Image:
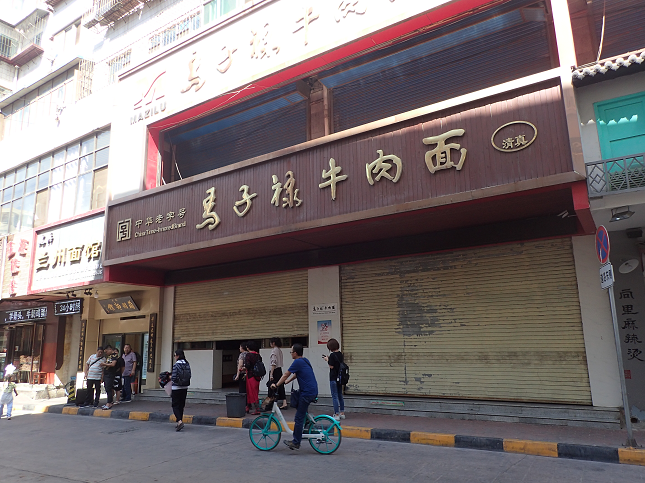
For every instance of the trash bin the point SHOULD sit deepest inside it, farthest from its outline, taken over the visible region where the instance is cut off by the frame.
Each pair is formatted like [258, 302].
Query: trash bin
[235, 405]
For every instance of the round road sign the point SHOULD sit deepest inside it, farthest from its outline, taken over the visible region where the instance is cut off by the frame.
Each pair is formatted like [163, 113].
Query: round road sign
[602, 244]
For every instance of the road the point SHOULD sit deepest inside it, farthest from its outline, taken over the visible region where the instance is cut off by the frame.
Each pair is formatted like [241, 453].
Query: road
[56, 448]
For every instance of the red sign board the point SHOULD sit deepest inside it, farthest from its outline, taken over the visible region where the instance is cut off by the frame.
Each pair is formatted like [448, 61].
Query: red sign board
[602, 244]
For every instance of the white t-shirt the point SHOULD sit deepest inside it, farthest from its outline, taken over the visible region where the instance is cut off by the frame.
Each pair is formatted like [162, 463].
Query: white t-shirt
[96, 371]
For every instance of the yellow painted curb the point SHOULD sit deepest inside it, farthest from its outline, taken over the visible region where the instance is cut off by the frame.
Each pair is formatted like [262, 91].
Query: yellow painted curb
[186, 420]
[537, 448]
[435, 439]
[102, 413]
[631, 456]
[230, 422]
[356, 432]
[139, 415]
[69, 410]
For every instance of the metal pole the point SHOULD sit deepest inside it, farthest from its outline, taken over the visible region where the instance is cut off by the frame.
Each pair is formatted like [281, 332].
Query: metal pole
[623, 388]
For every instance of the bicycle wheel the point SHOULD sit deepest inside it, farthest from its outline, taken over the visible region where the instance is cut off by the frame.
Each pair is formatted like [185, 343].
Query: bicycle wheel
[265, 432]
[330, 434]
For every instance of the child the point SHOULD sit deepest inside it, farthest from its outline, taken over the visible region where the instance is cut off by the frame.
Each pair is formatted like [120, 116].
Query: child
[7, 397]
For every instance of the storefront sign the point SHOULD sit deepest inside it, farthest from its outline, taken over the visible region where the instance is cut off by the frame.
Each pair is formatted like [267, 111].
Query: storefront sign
[324, 309]
[255, 44]
[17, 264]
[119, 305]
[397, 169]
[152, 342]
[25, 315]
[81, 346]
[68, 255]
[68, 307]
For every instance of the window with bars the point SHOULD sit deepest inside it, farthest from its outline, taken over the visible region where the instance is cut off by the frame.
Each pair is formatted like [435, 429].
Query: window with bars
[175, 32]
[117, 64]
[62, 184]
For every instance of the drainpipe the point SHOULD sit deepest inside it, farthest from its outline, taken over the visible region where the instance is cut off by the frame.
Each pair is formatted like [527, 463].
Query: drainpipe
[15, 78]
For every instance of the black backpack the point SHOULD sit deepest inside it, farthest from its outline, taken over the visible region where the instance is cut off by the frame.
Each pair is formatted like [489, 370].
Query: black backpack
[138, 358]
[259, 371]
[183, 373]
[343, 374]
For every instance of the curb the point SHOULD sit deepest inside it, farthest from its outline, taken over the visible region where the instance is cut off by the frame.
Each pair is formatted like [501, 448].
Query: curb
[603, 454]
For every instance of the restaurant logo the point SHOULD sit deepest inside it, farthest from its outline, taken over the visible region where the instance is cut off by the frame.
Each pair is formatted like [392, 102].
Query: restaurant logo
[149, 104]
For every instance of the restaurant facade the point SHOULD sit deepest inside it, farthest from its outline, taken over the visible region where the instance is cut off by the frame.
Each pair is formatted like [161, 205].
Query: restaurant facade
[347, 177]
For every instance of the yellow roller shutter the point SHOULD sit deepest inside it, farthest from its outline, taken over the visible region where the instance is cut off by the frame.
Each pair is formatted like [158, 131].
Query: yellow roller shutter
[262, 306]
[492, 323]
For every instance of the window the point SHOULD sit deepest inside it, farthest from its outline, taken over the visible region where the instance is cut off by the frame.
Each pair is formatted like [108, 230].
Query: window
[117, 64]
[175, 32]
[62, 184]
[219, 8]
[621, 126]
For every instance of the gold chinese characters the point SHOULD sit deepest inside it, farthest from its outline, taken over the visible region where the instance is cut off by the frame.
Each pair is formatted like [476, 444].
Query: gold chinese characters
[381, 168]
[246, 200]
[333, 176]
[291, 192]
[439, 157]
[517, 141]
[210, 217]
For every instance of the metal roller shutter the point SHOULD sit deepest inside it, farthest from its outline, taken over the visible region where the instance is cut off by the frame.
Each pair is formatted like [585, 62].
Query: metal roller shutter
[273, 305]
[492, 323]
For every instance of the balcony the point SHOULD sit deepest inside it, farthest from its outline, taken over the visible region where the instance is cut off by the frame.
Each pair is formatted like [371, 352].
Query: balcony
[618, 175]
[106, 12]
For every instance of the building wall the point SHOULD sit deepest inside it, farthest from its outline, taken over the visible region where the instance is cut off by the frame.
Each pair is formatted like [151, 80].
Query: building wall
[597, 327]
[602, 91]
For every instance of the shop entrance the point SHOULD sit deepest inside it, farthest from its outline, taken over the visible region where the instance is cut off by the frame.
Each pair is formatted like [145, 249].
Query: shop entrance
[24, 347]
[138, 342]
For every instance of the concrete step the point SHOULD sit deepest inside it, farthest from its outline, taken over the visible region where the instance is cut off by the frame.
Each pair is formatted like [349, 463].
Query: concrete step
[510, 412]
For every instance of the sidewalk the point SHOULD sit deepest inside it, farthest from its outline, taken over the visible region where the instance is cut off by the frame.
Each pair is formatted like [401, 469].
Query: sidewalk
[555, 441]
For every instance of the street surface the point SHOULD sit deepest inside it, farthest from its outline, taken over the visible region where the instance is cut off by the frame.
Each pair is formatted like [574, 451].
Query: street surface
[57, 448]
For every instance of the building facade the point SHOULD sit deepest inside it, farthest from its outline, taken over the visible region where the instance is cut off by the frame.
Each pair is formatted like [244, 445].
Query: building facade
[410, 178]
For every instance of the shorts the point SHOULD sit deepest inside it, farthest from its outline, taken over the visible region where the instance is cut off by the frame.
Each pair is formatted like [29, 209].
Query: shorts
[118, 383]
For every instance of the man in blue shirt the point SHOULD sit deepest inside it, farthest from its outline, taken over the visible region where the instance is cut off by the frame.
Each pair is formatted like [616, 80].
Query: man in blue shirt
[302, 370]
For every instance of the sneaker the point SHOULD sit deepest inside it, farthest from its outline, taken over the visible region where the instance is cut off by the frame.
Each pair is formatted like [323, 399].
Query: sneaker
[9, 419]
[126, 400]
[106, 407]
[291, 445]
[342, 415]
[180, 426]
[336, 417]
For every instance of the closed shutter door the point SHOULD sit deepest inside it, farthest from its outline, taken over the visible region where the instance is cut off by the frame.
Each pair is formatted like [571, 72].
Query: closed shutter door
[492, 323]
[259, 307]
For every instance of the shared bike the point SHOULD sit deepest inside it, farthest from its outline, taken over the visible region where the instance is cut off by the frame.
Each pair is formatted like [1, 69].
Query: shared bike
[323, 432]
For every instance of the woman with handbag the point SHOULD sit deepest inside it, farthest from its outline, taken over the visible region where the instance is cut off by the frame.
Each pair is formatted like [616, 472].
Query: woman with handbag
[276, 370]
[7, 397]
[334, 360]
[240, 377]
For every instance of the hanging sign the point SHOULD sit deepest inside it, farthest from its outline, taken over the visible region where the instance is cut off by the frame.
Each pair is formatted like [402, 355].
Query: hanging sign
[68, 307]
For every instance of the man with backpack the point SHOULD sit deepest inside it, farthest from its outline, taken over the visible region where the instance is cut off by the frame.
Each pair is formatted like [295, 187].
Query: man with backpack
[180, 381]
[130, 361]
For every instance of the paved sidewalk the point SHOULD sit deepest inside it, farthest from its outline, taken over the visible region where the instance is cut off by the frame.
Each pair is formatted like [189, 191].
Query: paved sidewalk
[555, 441]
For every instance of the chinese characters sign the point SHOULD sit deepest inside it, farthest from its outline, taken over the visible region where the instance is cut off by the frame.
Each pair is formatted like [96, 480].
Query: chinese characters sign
[25, 315]
[68, 255]
[408, 164]
[152, 343]
[68, 307]
[17, 264]
[119, 305]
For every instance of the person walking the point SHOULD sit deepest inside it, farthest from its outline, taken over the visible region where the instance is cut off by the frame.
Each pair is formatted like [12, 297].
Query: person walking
[109, 374]
[252, 383]
[129, 370]
[94, 376]
[300, 369]
[277, 361]
[7, 397]
[180, 381]
[334, 360]
[240, 376]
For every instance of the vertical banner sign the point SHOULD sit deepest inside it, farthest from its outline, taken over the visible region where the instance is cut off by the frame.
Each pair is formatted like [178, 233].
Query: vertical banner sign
[152, 342]
[81, 346]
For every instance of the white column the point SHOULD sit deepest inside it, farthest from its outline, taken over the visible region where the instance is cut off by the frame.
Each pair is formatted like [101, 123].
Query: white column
[602, 362]
[324, 288]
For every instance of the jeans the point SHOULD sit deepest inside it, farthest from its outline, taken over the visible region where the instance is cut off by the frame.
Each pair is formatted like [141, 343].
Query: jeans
[179, 402]
[127, 388]
[9, 408]
[337, 397]
[92, 386]
[299, 420]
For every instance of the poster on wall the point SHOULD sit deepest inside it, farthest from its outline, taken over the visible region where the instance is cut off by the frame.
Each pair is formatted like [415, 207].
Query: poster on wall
[324, 331]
